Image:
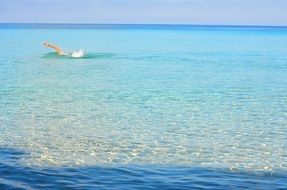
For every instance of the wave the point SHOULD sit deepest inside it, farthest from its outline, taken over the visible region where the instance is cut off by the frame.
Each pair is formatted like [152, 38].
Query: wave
[80, 55]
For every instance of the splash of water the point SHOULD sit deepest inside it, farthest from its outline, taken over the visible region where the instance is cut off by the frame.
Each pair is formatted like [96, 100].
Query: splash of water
[78, 54]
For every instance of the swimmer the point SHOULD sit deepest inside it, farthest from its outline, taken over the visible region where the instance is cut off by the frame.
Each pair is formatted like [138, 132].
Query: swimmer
[59, 51]
[56, 48]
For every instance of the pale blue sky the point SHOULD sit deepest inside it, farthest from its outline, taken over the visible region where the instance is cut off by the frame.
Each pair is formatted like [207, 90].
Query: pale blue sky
[234, 12]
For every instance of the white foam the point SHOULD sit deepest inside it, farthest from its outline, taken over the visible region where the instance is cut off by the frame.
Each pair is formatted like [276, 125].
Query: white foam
[77, 54]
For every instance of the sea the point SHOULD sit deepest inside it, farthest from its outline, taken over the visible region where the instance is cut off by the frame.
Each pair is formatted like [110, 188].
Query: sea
[147, 107]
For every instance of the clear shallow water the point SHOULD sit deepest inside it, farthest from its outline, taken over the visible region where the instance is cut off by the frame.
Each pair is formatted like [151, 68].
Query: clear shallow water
[173, 106]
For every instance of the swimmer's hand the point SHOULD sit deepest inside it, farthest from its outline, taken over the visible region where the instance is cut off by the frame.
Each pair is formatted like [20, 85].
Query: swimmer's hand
[45, 44]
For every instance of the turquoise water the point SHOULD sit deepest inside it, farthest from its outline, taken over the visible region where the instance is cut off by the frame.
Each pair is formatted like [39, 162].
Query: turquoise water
[160, 106]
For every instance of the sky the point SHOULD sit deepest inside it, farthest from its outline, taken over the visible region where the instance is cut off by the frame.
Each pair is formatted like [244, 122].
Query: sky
[210, 12]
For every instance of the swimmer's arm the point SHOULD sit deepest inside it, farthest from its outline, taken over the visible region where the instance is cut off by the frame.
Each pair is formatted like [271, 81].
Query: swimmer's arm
[56, 48]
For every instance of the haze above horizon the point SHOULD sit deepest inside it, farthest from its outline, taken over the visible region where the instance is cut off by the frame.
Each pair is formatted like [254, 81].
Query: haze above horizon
[191, 12]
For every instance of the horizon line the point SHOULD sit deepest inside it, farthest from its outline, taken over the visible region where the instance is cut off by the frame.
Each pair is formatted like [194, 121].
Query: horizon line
[139, 24]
